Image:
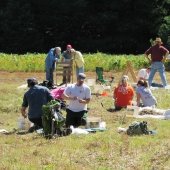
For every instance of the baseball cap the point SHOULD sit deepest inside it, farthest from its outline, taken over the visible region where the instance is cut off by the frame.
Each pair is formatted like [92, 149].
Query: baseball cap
[69, 46]
[81, 76]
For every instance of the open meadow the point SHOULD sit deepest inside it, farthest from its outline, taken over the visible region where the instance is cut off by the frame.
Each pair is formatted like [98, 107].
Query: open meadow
[106, 150]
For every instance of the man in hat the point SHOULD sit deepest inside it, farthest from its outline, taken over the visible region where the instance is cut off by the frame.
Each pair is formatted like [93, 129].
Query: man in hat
[52, 57]
[78, 95]
[34, 98]
[158, 55]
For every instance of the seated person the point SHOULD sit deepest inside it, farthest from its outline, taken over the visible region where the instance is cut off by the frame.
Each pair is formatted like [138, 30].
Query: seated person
[144, 94]
[123, 94]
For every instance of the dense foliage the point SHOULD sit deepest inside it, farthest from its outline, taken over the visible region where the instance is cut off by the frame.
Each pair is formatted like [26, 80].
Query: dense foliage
[119, 26]
[35, 62]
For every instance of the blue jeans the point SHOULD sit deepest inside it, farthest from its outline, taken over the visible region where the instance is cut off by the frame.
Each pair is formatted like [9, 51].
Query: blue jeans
[157, 66]
[49, 75]
[79, 70]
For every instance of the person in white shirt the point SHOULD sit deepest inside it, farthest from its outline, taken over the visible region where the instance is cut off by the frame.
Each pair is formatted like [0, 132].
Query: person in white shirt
[79, 95]
[143, 73]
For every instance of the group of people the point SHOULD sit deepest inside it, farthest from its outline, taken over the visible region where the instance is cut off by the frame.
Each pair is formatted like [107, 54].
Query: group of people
[69, 55]
[124, 93]
[79, 94]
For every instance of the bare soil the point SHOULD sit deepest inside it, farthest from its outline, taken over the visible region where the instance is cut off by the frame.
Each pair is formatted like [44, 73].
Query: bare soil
[21, 77]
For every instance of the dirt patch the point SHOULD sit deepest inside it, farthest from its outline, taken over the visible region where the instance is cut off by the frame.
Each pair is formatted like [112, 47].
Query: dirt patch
[22, 76]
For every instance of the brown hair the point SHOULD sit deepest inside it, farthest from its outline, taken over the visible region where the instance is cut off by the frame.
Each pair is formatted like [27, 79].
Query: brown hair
[143, 83]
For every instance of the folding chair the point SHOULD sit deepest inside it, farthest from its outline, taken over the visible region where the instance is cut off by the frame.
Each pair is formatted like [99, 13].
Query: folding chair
[100, 77]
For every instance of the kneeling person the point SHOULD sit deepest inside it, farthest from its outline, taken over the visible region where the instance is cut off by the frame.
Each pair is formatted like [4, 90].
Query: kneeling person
[35, 98]
[79, 95]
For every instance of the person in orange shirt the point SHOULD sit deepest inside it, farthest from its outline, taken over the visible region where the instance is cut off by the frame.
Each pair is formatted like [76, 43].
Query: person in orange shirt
[123, 94]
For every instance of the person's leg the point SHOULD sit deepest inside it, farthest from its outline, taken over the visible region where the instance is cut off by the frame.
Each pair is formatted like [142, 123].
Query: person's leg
[81, 118]
[51, 76]
[68, 75]
[70, 119]
[152, 74]
[161, 71]
[48, 74]
[37, 124]
[64, 74]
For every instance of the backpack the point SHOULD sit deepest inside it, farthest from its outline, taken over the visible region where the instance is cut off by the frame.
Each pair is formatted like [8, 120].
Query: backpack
[138, 128]
[53, 121]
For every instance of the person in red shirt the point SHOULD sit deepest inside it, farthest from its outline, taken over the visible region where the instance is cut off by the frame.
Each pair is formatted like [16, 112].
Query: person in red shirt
[158, 55]
[123, 94]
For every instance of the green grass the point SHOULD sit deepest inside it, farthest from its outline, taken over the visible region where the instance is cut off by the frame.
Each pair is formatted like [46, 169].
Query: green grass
[101, 151]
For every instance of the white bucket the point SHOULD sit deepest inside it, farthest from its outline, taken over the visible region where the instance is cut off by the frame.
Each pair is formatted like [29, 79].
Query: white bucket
[136, 111]
[91, 82]
[23, 124]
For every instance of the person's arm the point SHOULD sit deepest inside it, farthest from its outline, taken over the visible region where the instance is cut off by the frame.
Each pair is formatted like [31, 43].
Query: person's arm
[138, 99]
[24, 106]
[23, 112]
[147, 56]
[165, 56]
[66, 95]
[133, 93]
[84, 101]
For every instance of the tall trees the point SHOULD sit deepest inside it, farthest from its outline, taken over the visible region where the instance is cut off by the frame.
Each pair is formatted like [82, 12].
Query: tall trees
[119, 26]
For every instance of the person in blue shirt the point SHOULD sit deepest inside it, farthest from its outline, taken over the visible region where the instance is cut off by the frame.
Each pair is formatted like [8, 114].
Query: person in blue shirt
[34, 99]
[52, 57]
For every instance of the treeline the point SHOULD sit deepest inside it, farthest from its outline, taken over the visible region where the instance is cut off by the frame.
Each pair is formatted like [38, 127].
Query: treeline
[108, 26]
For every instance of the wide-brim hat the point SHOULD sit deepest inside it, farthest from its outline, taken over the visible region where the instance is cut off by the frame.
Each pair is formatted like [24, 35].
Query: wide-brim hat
[158, 40]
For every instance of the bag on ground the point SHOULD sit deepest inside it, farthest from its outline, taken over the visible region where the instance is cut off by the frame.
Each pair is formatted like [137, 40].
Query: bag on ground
[138, 128]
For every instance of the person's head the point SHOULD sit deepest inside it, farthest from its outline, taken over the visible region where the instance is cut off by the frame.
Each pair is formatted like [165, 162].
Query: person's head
[124, 80]
[158, 41]
[69, 47]
[57, 51]
[32, 82]
[80, 79]
[73, 51]
[142, 83]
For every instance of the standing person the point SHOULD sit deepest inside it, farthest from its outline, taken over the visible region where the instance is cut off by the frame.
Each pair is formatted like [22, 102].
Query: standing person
[158, 56]
[52, 57]
[123, 94]
[66, 57]
[79, 95]
[78, 60]
[34, 98]
[144, 94]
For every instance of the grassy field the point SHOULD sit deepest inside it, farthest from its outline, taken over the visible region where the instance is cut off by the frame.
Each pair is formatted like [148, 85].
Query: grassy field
[107, 150]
